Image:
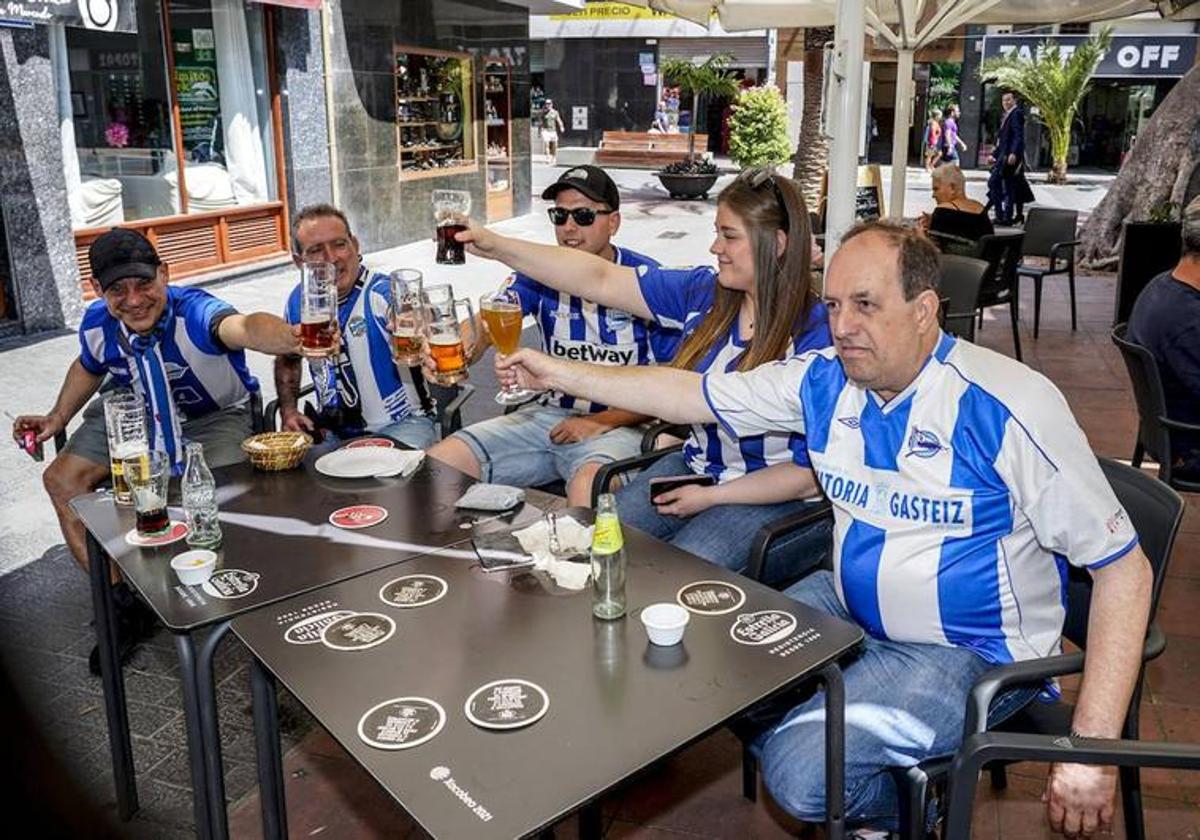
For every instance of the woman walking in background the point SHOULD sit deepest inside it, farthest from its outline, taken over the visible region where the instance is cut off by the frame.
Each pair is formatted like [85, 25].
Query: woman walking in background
[932, 141]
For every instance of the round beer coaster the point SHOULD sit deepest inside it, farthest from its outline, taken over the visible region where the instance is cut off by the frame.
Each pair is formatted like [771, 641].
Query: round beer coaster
[308, 631]
[710, 597]
[230, 583]
[358, 516]
[413, 591]
[402, 723]
[359, 443]
[358, 631]
[174, 534]
[764, 627]
[507, 704]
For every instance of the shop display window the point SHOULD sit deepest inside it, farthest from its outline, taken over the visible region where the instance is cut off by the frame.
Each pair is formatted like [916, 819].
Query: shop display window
[435, 129]
[497, 103]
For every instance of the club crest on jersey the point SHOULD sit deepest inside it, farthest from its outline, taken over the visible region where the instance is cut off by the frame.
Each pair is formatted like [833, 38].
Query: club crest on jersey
[356, 326]
[923, 444]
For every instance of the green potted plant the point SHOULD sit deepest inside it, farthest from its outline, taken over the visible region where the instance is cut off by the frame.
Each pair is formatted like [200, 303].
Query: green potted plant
[693, 177]
[1148, 247]
[758, 129]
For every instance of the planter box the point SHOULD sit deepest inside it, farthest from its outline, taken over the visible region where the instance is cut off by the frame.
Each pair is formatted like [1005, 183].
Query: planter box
[1147, 250]
[687, 186]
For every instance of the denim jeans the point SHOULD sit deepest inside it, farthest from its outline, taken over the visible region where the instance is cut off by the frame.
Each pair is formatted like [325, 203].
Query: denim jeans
[905, 702]
[723, 534]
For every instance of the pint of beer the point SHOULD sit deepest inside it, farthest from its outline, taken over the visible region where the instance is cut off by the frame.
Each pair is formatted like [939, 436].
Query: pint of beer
[318, 309]
[444, 331]
[407, 316]
[502, 315]
[450, 211]
[125, 424]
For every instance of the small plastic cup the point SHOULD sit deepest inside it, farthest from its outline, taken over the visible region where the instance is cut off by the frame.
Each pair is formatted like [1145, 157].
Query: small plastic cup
[665, 623]
[194, 567]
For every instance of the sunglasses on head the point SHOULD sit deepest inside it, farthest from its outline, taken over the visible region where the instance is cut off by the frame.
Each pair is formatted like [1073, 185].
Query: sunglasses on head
[755, 178]
[583, 216]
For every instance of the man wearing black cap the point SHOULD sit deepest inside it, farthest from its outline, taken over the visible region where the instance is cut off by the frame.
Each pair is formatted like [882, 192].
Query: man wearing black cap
[180, 350]
[559, 436]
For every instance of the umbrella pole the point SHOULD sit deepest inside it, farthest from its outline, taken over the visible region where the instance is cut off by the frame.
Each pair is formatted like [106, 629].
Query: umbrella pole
[900, 130]
[846, 123]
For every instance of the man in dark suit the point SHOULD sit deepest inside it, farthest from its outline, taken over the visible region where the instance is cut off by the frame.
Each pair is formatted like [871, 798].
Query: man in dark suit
[1008, 159]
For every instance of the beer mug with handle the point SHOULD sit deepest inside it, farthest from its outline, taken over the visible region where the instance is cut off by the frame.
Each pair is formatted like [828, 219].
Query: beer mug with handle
[446, 342]
[318, 309]
[407, 317]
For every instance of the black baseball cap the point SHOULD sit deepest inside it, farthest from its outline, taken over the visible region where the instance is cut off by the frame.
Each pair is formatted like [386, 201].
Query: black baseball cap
[590, 180]
[122, 253]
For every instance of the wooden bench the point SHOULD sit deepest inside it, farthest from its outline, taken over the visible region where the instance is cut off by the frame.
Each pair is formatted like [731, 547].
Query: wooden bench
[644, 149]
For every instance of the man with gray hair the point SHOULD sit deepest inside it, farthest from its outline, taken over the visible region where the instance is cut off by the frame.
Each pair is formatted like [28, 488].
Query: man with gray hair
[1166, 321]
[961, 486]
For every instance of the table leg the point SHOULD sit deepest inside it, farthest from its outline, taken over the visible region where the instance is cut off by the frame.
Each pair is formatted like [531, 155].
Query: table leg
[835, 751]
[112, 680]
[185, 647]
[211, 732]
[270, 761]
[591, 822]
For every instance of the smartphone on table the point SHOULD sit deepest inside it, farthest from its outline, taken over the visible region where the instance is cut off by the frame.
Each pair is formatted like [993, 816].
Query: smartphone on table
[666, 483]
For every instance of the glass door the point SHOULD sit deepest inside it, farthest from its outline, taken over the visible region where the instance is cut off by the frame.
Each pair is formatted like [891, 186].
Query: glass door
[497, 119]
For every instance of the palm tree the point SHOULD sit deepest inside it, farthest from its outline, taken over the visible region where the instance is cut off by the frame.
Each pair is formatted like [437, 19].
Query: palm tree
[812, 148]
[710, 78]
[1054, 84]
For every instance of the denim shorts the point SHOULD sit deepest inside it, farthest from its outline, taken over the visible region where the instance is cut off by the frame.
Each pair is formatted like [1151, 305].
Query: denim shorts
[516, 448]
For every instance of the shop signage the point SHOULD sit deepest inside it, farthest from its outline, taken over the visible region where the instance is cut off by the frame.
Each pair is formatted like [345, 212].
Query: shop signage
[612, 11]
[1153, 56]
[196, 90]
[104, 15]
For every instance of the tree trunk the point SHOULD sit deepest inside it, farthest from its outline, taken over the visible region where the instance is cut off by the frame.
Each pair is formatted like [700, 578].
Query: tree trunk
[1160, 169]
[812, 148]
[691, 154]
[1057, 173]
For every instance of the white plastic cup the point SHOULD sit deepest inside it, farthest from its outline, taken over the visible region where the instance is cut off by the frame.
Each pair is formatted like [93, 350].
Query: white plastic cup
[194, 567]
[665, 623]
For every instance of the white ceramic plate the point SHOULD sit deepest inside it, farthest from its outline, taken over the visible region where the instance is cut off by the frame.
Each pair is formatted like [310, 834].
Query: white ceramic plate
[366, 462]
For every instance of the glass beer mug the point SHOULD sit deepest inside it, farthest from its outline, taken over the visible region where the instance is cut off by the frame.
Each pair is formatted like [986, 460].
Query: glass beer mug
[450, 211]
[318, 309]
[442, 330]
[407, 317]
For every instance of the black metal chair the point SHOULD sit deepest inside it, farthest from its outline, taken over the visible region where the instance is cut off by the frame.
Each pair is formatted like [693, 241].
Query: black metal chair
[1050, 234]
[649, 454]
[445, 402]
[1154, 427]
[959, 284]
[1156, 512]
[1002, 253]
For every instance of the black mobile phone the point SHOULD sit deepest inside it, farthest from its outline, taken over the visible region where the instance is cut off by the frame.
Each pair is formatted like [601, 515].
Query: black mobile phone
[666, 483]
[497, 552]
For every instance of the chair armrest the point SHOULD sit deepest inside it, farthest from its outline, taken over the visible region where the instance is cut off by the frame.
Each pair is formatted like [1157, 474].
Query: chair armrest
[770, 533]
[662, 427]
[941, 239]
[1178, 425]
[979, 750]
[1062, 246]
[268, 421]
[611, 470]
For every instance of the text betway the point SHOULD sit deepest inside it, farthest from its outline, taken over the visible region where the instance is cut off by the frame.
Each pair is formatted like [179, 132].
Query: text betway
[581, 351]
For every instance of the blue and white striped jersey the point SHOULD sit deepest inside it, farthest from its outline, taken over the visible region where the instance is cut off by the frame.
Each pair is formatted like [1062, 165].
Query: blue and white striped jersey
[204, 376]
[367, 378]
[957, 504]
[680, 298]
[574, 328]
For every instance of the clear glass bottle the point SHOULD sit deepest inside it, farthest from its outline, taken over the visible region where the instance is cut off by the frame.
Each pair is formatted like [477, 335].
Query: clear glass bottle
[200, 500]
[608, 561]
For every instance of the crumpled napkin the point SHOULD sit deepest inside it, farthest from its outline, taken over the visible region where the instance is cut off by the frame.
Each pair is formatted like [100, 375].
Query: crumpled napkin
[407, 459]
[491, 497]
[573, 538]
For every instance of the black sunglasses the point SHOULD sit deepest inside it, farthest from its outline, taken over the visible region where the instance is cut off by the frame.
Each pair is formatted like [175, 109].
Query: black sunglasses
[755, 178]
[583, 216]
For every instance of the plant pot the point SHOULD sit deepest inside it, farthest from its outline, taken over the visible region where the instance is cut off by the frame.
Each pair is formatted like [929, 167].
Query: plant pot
[1147, 250]
[687, 186]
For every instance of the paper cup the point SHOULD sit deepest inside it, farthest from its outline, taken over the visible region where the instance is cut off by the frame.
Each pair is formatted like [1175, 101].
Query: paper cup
[665, 623]
[194, 567]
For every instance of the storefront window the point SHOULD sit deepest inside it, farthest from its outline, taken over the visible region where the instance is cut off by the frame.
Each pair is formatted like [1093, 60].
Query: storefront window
[127, 141]
[434, 123]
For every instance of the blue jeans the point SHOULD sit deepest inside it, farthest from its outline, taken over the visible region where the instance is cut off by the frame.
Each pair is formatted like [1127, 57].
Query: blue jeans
[905, 702]
[723, 534]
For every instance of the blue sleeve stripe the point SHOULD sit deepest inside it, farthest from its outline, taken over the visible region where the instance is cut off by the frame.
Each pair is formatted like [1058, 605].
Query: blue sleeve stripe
[713, 408]
[1115, 556]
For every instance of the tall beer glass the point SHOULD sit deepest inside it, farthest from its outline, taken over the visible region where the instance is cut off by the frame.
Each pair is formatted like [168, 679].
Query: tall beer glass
[446, 345]
[450, 211]
[125, 423]
[318, 309]
[407, 317]
[148, 475]
[501, 313]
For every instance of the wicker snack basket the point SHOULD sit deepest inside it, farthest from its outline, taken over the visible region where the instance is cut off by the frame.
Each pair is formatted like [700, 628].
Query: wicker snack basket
[277, 450]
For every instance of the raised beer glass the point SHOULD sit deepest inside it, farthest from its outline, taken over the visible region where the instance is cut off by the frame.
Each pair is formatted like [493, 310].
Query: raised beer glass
[450, 211]
[125, 424]
[148, 475]
[442, 315]
[318, 309]
[501, 313]
[406, 317]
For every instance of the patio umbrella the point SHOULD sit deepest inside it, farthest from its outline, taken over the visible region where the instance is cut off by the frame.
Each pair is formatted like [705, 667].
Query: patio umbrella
[906, 25]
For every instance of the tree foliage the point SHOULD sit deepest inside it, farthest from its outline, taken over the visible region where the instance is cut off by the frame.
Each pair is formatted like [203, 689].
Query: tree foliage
[944, 79]
[758, 129]
[1054, 83]
[708, 78]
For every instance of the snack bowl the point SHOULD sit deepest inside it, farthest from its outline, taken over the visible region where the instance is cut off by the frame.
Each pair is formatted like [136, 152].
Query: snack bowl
[194, 567]
[665, 623]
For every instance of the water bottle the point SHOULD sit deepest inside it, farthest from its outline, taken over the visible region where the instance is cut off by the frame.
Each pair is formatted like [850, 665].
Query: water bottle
[608, 561]
[200, 500]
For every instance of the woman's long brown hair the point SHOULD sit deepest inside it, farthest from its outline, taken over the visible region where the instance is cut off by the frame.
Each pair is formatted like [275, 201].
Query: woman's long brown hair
[782, 284]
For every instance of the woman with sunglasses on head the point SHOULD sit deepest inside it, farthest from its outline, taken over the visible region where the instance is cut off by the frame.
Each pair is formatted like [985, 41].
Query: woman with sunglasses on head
[756, 307]
[559, 436]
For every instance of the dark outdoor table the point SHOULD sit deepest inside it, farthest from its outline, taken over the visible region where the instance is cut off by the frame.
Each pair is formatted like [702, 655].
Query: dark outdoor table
[276, 527]
[617, 703]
